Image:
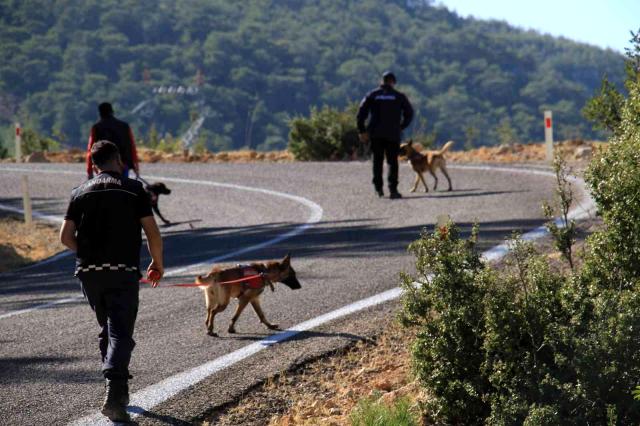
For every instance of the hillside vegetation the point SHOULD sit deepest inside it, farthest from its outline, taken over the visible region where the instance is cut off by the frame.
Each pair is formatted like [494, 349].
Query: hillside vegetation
[258, 63]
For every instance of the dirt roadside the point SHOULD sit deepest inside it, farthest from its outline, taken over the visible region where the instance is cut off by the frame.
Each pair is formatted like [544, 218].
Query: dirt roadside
[21, 245]
[576, 150]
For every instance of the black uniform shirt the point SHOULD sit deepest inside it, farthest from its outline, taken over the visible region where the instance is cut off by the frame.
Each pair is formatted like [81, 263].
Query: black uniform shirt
[118, 132]
[391, 112]
[107, 211]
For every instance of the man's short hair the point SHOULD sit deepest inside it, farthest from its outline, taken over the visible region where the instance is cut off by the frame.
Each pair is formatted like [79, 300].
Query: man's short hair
[105, 109]
[103, 152]
[388, 77]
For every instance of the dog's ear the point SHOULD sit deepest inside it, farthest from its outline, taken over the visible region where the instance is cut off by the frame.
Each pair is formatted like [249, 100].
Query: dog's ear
[286, 262]
[410, 142]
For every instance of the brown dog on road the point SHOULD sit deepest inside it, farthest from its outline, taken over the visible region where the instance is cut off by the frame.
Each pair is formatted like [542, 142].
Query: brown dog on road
[430, 162]
[225, 284]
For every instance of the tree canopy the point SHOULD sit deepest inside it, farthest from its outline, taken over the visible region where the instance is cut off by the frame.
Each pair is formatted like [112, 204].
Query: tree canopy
[256, 64]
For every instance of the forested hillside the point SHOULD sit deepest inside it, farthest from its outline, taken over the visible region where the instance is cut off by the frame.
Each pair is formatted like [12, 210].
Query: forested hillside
[257, 63]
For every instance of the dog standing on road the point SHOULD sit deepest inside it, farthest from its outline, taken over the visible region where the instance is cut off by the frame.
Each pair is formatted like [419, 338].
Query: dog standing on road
[225, 284]
[430, 162]
[154, 191]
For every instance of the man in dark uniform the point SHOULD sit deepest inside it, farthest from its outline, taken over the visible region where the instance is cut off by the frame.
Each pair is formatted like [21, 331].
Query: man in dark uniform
[390, 113]
[109, 128]
[103, 226]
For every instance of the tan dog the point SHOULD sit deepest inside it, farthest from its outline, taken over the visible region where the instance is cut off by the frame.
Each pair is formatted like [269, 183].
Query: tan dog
[430, 162]
[225, 284]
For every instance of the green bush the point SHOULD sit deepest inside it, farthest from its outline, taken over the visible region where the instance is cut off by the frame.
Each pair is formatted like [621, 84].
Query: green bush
[447, 306]
[610, 358]
[372, 412]
[327, 134]
[531, 344]
[32, 141]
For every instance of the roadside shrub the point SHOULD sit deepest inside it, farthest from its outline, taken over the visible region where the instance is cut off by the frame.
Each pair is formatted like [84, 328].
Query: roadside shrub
[563, 230]
[529, 343]
[327, 134]
[372, 412]
[32, 141]
[447, 307]
[610, 361]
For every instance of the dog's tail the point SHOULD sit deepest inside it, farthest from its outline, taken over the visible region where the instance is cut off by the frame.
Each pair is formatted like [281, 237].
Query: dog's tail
[445, 148]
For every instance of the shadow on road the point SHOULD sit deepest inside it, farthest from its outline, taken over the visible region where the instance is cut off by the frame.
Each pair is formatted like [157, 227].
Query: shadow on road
[329, 239]
[303, 335]
[43, 369]
[326, 239]
[49, 206]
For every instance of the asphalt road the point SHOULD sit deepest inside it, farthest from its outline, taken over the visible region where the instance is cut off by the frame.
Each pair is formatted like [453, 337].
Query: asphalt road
[49, 360]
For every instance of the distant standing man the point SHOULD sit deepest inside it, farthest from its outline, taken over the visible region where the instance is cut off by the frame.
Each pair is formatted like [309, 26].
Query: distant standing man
[102, 226]
[109, 128]
[390, 113]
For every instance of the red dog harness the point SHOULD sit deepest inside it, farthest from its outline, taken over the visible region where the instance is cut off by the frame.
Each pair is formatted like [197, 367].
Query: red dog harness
[252, 278]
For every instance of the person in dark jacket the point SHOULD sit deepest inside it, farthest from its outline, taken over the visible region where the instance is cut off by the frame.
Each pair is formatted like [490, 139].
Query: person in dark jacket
[102, 226]
[390, 113]
[109, 128]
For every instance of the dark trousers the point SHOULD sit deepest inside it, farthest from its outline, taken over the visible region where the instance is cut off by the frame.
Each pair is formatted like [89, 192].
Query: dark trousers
[388, 148]
[113, 296]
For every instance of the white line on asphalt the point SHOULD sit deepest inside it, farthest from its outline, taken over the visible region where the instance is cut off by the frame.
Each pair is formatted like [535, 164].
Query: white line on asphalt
[151, 396]
[314, 217]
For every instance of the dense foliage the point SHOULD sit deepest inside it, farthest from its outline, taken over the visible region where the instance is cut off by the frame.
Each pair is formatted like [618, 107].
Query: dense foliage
[261, 62]
[532, 344]
[327, 134]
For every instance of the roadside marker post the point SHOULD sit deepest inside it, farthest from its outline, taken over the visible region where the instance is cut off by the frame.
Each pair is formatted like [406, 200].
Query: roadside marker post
[548, 135]
[442, 220]
[18, 143]
[26, 201]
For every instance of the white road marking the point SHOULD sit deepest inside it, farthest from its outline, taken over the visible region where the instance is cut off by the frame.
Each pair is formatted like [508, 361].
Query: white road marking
[314, 217]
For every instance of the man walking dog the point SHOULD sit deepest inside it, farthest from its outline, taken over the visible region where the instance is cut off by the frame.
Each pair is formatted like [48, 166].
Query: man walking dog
[117, 131]
[391, 113]
[103, 225]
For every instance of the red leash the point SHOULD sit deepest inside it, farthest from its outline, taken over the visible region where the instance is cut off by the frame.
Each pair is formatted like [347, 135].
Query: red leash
[241, 280]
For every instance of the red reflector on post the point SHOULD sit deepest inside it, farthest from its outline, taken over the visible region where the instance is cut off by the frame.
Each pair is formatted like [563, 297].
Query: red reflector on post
[547, 123]
[17, 131]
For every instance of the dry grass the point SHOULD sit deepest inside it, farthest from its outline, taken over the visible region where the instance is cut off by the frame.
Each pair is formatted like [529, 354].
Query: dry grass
[325, 391]
[21, 245]
[525, 153]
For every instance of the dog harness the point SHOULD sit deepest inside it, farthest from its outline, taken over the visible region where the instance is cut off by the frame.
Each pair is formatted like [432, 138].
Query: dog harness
[255, 279]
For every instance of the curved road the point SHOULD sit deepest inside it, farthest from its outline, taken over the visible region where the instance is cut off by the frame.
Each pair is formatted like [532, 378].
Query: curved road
[346, 245]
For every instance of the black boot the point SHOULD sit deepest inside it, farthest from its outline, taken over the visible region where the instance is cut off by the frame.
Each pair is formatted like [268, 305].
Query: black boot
[395, 194]
[380, 192]
[116, 400]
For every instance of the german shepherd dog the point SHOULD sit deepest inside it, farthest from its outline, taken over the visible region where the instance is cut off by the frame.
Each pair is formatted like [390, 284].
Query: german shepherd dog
[154, 191]
[430, 162]
[225, 284]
